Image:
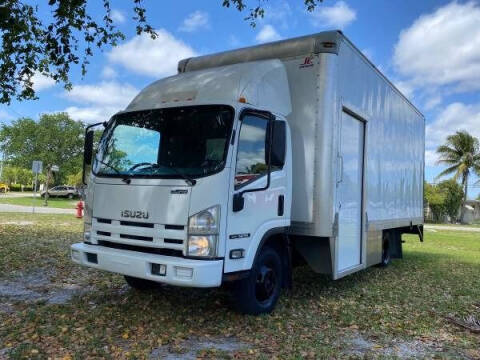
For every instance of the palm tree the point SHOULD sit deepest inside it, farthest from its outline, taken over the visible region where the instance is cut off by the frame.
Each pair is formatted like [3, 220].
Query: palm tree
[461, 153]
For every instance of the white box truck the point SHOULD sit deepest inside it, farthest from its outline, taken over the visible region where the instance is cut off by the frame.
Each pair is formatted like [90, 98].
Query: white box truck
[249, 162]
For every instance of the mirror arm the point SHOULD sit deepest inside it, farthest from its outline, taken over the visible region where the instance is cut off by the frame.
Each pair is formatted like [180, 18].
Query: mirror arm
[104, 123]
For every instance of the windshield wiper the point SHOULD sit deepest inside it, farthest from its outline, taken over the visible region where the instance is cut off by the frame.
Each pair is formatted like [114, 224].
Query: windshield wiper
[187, 178]
[125, 178]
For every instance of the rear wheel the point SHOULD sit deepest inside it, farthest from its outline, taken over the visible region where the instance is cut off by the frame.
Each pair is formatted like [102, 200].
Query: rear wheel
[70, 196]
[259, 292]
[140, 284]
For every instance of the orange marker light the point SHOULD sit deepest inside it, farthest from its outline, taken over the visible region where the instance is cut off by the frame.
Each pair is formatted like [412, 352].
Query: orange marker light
[242, 100]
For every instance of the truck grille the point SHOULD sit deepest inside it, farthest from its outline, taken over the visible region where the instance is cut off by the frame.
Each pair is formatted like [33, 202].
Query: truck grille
[143, 249]
[139, 236]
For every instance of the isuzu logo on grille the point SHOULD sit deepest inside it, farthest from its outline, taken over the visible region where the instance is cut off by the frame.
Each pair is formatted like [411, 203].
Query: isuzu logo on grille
[137, 214]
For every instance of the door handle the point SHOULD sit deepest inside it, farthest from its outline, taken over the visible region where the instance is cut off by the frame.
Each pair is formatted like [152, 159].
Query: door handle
[281, 205]
[340, 162]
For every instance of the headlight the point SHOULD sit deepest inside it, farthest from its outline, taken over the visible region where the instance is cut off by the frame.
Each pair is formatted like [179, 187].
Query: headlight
[203, 245]
[205, 222]
[203, 229]
[87, 231]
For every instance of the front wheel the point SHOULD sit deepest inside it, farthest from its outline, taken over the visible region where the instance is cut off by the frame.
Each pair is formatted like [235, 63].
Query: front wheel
[70, 196]
[259, 292]
[141, 284]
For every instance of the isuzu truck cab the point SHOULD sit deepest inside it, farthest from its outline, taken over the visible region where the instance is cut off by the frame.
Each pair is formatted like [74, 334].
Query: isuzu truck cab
[248, 162]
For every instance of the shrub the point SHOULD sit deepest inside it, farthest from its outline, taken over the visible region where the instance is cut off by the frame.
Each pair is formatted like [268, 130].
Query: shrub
[18, 187]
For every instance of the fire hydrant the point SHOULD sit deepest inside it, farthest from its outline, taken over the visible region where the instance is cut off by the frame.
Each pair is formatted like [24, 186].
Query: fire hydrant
[79, 208]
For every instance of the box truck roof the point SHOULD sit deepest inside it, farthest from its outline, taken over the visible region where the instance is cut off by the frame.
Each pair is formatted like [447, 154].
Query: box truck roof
[262, 84]
[323, 42]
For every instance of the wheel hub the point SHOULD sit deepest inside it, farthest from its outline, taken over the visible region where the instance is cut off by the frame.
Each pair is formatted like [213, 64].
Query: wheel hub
[266, 283]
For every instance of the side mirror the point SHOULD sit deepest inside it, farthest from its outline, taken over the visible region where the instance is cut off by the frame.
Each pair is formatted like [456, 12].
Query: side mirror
[238, 202]
[278, 145]
[88, 148]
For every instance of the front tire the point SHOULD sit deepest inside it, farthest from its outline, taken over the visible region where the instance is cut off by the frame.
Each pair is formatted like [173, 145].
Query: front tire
[259, 292]
[70, 196]
[140, 284]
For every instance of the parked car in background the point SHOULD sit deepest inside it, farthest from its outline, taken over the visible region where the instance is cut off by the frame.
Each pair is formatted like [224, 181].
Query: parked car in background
[62, 191]
[4, 188]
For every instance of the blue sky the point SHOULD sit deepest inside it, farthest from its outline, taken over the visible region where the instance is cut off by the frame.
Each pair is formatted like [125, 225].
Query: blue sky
[429, 49]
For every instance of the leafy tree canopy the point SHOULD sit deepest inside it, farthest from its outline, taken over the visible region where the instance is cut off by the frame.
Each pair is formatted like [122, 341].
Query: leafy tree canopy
[55, 139]
[68, 37]
[453, 193]
[435, 198]
[461, 155]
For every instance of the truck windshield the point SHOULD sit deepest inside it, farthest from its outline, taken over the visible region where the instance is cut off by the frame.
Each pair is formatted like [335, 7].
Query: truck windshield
[166, 143]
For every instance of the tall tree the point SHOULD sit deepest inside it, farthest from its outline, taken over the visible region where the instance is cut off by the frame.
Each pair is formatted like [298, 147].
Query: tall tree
[55, 139]
[453, 193]
[69, 37]
[435, 199]
[461, 154]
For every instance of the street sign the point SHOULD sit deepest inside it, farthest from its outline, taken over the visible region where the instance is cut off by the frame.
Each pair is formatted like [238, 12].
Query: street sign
[55, 168]
[37, 167]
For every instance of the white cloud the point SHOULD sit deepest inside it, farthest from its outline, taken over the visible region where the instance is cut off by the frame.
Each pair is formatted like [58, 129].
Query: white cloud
[153, 57]
[405, 88]
[91, 114]
[267, 33]
[118, 16]
[432, 102]
[105, 93]
[99, 101]
[5, 116]
[442, 48]
[108, 72]
[42, 82]
[279, 12]
[194, 21]
[455, 117]
[431, 158]
[338, 15]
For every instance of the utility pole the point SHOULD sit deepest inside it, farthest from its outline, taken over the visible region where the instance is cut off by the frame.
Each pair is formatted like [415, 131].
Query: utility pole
[1, 165]
[49, 173]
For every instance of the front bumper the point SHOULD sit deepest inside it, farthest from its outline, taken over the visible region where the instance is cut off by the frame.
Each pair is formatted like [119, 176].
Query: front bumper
[179, 271]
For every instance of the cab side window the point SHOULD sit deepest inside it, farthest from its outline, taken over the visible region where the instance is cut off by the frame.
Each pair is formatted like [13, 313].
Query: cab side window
[251, 150]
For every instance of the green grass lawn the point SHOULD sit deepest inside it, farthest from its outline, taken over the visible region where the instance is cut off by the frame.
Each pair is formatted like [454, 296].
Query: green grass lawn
[62, 203]
[377, 313]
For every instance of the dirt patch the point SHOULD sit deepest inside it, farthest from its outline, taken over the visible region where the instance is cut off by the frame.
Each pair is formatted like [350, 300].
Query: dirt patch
[358, 345]
[35, 287]
[189, 349]
[6, 308]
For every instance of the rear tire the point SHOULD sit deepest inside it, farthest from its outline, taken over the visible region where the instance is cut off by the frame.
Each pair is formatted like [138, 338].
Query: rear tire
[259, 292]
[386, 257]
[70, 196]
[141, 284]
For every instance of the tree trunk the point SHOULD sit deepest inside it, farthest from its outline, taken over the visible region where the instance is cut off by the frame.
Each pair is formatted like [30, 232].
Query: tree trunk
[47, 181]
[464, 200]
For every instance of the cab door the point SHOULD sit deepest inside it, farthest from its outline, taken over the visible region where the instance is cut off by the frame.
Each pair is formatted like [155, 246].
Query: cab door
[264, 204]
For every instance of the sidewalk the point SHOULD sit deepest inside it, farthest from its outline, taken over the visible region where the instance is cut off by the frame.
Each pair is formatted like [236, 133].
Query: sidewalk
[14, 194]
[452, 228]
[38, 209]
